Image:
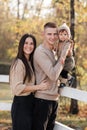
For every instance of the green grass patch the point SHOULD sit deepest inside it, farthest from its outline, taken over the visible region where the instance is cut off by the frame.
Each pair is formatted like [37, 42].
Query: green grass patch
[76, 121]
[5, 92]
[73, 121]
[5, 119]
[5, 96]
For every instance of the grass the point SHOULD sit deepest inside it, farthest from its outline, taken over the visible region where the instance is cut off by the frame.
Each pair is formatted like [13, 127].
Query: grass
[5, 117]
[5, 96]
[5, 92]
[74, 121]
[5, 120]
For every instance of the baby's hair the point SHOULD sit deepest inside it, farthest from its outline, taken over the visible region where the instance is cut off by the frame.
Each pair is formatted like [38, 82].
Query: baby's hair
[62, 30]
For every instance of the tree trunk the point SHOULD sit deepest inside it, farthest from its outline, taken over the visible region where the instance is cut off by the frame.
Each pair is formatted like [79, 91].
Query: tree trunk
[18, 3]
[74, 103]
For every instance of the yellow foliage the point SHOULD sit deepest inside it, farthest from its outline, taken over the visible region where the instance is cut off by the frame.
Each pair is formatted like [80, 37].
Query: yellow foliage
[85, 128]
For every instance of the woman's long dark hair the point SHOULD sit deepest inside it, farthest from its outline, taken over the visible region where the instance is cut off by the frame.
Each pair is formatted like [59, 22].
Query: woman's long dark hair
[21, 55]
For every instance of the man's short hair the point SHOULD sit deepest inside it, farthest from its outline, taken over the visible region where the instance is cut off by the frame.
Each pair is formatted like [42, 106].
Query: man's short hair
[50, 25]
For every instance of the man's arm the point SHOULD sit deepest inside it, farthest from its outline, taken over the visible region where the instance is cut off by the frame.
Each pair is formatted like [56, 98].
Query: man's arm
[46, 65]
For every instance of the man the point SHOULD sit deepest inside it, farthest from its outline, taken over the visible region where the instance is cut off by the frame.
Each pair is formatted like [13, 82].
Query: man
[46, 67]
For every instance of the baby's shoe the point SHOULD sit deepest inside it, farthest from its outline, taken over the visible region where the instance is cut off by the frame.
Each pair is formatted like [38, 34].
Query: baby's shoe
[62, 85]
[71, 80]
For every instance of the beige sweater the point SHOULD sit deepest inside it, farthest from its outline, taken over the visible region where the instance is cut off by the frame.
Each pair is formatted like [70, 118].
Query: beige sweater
[17, 74]
[47, 68]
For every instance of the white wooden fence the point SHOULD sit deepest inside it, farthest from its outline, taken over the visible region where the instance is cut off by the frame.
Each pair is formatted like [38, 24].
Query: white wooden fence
[67, 92]
[4, 78]
[74, 94]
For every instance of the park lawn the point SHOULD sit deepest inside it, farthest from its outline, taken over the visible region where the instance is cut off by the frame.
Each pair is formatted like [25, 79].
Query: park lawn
[5, 120]
[5, 92]
[5, 96]
[78, 121]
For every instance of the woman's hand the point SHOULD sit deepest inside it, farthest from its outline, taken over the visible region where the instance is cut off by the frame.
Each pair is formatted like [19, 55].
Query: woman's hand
[44, 85]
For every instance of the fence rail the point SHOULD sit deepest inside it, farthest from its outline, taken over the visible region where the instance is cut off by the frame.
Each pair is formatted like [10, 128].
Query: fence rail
[4, 78]
[74, 93]
[60, 126]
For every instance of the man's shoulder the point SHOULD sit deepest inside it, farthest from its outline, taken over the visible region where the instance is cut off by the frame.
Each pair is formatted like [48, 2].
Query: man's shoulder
[39, 49]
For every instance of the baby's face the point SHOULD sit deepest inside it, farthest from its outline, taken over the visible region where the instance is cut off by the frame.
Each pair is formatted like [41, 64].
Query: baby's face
[63, 36]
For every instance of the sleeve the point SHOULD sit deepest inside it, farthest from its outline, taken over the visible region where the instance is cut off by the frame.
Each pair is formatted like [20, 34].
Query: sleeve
[65, 50]
[42, 59]
[16, 78]
[69, 63]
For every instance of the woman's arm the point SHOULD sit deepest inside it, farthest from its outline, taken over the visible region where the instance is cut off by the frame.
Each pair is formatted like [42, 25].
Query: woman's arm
[42, 86]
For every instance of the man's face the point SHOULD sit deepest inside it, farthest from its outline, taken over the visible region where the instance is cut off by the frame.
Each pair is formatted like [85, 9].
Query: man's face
[50, 36]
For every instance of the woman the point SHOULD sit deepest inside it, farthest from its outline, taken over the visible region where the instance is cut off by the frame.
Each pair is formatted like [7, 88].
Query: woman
[22, 80]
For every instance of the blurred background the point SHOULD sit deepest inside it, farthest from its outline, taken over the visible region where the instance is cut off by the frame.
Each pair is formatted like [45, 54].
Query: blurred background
[28, 16]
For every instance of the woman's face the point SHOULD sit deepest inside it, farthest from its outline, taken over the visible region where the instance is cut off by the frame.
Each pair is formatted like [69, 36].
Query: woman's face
[28, 47]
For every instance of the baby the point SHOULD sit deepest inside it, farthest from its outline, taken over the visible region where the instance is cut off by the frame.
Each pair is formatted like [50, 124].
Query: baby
[64, 38]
